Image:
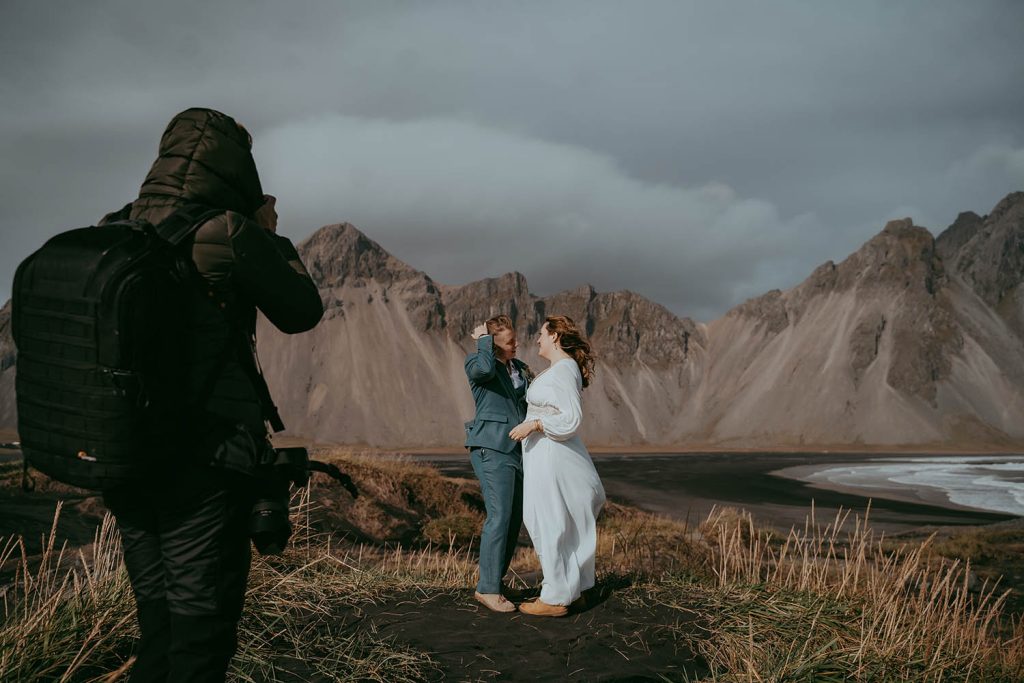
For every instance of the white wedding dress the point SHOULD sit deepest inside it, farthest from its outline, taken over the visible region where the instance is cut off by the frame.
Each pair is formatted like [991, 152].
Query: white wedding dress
[562, 494]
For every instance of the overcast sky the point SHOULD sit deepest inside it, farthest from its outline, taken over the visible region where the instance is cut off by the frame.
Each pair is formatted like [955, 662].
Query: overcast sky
[696, 153]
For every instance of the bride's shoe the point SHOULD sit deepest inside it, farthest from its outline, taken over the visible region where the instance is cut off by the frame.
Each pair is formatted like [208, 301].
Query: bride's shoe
[495, 602]
[539, 608]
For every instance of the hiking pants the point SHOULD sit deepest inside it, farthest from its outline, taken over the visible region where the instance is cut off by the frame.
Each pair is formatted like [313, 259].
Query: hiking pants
[186, 548]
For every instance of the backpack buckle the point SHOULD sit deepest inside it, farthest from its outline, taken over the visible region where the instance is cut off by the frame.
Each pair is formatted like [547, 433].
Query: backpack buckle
[143, 227]
[127, 383]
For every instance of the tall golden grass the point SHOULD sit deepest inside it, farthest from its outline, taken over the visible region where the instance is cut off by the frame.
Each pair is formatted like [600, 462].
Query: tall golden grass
[828, 602]
[832, 602]
[67, 615]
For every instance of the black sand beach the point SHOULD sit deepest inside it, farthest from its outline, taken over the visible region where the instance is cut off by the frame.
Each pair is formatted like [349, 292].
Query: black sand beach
[687, 486]
[682, 486]
[616, 639]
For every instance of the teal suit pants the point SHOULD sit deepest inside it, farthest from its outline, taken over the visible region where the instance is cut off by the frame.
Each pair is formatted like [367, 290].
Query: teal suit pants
[501, 483]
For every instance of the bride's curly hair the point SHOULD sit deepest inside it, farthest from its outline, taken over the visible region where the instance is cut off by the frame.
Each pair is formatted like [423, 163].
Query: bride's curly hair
[571, 340]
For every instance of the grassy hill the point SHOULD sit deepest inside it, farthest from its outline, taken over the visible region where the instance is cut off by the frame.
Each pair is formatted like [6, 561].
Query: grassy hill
[379, 588]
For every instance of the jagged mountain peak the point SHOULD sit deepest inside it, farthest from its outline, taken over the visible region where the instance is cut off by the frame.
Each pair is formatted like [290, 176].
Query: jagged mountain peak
[902, 255]
[967, 217]
[508, 283]
[1011, 203]
[470, 304]
[969, 225]
[621, 324]
[339, 254]
[963, 229]
[881, 347]
[991, 261]
[903, 231]
[625, 326]
[335, 236]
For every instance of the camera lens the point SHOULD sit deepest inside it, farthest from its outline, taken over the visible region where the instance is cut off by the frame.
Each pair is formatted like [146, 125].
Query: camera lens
[269, 527]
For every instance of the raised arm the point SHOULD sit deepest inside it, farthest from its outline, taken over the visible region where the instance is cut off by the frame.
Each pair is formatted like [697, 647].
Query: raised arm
[566, 397]
[480, 365]
[270, 272]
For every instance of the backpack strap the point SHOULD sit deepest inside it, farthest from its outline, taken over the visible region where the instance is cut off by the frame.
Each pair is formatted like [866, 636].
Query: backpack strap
[184, 222]
[177, 228]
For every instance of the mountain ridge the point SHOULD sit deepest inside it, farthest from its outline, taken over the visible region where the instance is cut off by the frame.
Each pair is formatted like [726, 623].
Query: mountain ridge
[911, 339]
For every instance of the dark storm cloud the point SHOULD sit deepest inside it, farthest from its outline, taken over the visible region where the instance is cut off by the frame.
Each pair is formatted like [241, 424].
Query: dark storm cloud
[501, 201]
[695, 153]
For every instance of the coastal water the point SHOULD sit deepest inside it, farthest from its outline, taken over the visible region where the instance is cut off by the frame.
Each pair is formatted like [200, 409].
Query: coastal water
[780, 488]
[983, 482]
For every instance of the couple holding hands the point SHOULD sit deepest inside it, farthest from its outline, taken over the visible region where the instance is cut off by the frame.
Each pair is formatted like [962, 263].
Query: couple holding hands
[532, 465]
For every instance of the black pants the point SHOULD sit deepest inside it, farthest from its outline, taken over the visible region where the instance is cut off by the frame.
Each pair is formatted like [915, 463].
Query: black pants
[186, 547]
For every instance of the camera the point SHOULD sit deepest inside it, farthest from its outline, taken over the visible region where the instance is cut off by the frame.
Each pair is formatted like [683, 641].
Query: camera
[278, 469]
[269, 526]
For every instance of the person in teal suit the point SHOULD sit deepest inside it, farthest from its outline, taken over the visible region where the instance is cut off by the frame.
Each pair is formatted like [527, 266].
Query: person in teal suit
[498, 381]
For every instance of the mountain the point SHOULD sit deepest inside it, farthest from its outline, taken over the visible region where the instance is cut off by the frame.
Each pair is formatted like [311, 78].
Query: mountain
[864, 351]
[385, 367]
[909, 340]
[987, 255]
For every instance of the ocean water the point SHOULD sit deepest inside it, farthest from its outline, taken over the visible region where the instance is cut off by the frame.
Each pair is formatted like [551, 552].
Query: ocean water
[984, 482]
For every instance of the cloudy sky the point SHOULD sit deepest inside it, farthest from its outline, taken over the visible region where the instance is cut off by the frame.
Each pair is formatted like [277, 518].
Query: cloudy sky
[697, 153]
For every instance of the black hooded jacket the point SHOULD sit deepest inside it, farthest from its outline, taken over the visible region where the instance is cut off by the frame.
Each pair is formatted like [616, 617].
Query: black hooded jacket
[205, 158]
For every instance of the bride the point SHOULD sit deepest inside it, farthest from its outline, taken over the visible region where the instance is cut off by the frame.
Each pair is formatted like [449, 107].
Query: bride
[562, 494]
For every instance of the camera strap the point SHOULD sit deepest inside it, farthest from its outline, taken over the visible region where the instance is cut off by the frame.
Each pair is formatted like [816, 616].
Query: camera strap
[249, 360]
[252, 367]
[332, 471]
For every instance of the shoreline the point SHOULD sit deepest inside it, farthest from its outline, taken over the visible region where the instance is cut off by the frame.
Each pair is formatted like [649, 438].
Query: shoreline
[688, 488]
[909, 494]
[685, 487]
[845, 450]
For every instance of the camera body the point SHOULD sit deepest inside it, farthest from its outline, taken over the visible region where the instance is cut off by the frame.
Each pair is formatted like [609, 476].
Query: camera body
[269, 526]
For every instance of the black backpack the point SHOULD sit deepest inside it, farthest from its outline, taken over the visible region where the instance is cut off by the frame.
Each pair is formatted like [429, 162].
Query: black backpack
[98, 318]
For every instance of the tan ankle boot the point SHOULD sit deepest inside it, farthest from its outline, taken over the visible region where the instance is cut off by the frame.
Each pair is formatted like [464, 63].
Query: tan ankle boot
[495, 602]
[539, 608]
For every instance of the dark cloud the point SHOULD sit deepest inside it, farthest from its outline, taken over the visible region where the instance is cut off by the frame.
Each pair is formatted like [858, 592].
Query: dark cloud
[697, 153]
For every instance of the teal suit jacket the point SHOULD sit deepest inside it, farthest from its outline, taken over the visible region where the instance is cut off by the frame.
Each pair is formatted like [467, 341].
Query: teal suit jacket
[499, 406]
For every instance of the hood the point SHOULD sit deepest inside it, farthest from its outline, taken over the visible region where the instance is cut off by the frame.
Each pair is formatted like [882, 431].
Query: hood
[206, 158]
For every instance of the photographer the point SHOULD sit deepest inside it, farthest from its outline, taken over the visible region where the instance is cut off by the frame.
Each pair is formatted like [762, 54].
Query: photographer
[186, 528]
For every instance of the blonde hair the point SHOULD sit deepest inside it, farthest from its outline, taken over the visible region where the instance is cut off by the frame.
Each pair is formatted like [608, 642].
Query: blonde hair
[499, 323]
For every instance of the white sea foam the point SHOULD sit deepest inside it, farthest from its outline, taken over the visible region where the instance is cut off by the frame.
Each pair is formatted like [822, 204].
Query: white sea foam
[984, 482]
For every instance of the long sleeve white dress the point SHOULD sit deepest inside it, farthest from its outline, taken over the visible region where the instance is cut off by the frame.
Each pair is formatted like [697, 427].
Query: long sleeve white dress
[562, 494]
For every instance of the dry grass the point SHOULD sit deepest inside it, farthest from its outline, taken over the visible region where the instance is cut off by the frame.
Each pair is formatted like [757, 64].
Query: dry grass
[398, 499]
[72, 618]
[67, 616]
[829, 602]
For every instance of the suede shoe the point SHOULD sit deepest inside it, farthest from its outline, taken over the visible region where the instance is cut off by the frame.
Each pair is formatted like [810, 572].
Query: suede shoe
[539, 608]
[494, 602]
